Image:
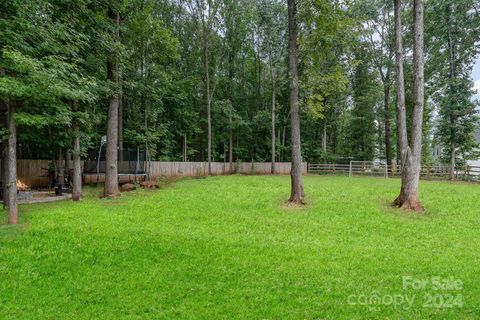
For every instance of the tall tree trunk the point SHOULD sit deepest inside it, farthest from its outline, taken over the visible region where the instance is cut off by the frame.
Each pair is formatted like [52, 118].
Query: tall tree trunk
[77, 165]
[284, 137]
[4, 151]
[12, 165]
[258, 106]
[411, 158]
[60, 171]
[401, 111]
[4, 169]
[111, 174]
[230, 141]
[452, 161]
[386, 104]
[184, 147]
[451, 76]
[274, 93]
[324, 138]
[208, 96]
[231, 59]
[120, 127]
[4, 147]
[297, 195]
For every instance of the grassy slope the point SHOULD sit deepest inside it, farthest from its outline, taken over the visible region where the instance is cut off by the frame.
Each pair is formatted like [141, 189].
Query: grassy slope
[223, 247]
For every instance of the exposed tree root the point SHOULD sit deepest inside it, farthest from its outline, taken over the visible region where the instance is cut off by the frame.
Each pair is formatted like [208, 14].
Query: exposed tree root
[110, 196]
[297, 197]
[410, 203]
[296, 201]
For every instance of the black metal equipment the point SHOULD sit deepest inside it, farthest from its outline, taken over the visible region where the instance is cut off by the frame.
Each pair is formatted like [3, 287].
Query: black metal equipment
[131, 162]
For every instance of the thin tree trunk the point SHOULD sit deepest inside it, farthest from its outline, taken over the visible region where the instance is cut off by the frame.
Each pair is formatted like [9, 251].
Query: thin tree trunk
[4, 147]
[111, 174]
[324, 138]
[451, 76]
[411, 159]
[184, 147]
[279, 139]
[60, 171]
[77, 165]
[335, 134]
[452, 161]
[297, 195]
[231, 59]
[398, 157]
[120, 127]
[208, 97]
[258, 106]
[53, 159]
[12, 165]
[4, 171]
[284, 138]
[230, 142]
[209, 151]
[401, 111]
[386, 104]
[274, 93]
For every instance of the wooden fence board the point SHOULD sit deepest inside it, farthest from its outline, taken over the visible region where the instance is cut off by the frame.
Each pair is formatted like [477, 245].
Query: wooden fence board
[31, 172]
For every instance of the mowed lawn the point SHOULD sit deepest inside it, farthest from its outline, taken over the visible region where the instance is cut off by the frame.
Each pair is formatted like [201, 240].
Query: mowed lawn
[226, 248]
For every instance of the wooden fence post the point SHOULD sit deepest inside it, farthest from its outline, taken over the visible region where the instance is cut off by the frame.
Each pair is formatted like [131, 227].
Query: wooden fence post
[350, 169]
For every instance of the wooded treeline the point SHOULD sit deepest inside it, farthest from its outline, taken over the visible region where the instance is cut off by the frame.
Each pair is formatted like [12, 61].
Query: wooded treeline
[206, 80]
[178, 59]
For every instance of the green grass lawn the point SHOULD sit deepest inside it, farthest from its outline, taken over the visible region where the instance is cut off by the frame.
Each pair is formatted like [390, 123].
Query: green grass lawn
[226, 248]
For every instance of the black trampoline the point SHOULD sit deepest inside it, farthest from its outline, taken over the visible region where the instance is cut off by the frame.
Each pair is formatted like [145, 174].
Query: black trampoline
[133, 163]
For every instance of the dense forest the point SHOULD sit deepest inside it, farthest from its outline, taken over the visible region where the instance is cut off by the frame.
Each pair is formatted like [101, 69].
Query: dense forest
[193, 71]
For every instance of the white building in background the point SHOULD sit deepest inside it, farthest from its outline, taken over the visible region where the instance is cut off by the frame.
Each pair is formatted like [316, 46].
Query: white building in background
[438, 150]
[475, 163]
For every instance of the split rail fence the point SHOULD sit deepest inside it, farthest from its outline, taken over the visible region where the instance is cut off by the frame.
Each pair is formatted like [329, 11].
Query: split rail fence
[371, 168]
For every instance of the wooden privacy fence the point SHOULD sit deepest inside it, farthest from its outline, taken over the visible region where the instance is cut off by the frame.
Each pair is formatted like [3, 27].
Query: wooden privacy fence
[370, 168]
[192, 169]
[34, 173]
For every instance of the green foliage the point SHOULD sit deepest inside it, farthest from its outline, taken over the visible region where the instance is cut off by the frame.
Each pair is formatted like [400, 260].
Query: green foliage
[53, 65]
[453, 50]
[329, 35]
[365, 100]
[43, 69]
